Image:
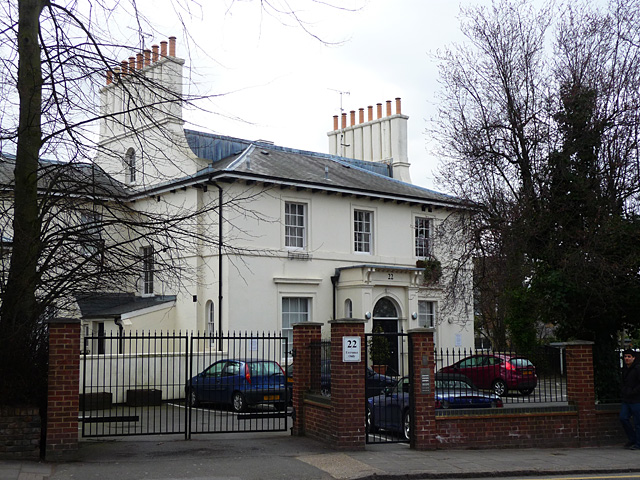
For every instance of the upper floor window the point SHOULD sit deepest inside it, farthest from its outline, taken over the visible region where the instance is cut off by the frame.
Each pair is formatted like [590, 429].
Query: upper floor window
[363, 231]
[147, 270]
[423, 236]
[90, 233]
[130, 165]
[426, 313]
[295, 225]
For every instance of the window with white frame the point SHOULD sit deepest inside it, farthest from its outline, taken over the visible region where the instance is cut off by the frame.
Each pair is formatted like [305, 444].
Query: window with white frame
[422, 231]
[294, 310]
[348, 308]
[295, 225]
[426, 313]
[130, 165]
[90, 235]
[211, 320]
[147, 270]
[363, 231]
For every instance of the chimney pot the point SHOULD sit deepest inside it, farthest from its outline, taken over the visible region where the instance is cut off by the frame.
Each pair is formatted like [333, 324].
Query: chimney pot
[388, 108]
[172, 46]
[398, 106]
[344, 120]
[361, 115]
[155, 53]
[163, 48]
[147, 57]
[335, 122]
[370, 113]
[353, 117]
[139, 61]
[109, 77]
[379, 110]
[124, 67]
[132, 64]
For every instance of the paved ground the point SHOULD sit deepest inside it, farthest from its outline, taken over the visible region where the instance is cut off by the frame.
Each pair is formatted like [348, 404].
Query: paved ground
[281, 456]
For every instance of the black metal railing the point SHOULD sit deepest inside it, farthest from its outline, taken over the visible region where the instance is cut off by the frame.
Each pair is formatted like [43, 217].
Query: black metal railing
[538, 377]
[149, 384]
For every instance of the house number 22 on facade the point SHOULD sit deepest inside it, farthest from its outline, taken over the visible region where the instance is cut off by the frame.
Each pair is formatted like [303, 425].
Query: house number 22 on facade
[350, 349]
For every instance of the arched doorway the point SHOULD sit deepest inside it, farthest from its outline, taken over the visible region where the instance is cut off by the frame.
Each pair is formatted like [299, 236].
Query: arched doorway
[385, 318]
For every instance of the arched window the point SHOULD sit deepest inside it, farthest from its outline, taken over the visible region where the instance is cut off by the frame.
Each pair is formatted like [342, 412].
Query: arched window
[211, 320]
[130, 165]
[348, 308]
[385, 309]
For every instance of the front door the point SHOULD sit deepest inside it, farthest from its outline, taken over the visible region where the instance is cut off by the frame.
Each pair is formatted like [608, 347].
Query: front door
[385, 319]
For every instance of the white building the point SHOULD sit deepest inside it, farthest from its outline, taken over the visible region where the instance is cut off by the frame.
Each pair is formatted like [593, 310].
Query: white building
[307, 236]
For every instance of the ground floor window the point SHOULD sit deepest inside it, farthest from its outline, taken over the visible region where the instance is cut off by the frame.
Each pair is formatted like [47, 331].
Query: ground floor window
[426, 313]
[294, 310]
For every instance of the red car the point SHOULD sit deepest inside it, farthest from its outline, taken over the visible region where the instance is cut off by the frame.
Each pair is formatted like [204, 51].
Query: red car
[498, 372]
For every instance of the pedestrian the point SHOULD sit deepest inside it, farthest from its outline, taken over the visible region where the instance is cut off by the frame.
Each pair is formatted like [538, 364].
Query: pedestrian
[631, 398]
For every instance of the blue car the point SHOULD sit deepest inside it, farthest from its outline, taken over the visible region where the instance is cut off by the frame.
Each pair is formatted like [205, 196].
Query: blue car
[390, 410]
[240, 383]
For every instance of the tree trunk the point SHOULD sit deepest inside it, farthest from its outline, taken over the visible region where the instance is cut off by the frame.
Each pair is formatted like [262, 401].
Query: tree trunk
[19, 312]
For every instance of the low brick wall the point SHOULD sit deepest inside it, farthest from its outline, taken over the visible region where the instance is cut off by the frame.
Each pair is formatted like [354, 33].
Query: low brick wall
[318, 419]
[19, 433]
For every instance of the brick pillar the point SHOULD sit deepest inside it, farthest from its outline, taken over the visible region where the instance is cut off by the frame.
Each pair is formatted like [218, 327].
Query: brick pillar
[348, 387]
[304, 334]
[581, 389]
[63, 393]
[423, 408]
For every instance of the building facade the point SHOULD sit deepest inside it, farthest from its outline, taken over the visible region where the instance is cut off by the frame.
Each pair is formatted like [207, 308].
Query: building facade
[293, 236]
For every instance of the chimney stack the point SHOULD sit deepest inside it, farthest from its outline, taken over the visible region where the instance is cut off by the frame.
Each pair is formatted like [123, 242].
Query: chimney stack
[381, 140]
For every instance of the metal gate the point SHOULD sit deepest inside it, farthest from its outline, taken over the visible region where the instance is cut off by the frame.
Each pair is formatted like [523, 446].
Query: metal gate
[146, 384]
[387, 384]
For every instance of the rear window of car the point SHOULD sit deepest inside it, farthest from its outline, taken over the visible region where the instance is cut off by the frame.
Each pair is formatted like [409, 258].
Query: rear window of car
[264, 368]
[520, 362]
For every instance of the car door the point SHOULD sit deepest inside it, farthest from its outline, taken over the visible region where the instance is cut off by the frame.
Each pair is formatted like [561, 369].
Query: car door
[231, 379]
[393, 405]
[210, 382]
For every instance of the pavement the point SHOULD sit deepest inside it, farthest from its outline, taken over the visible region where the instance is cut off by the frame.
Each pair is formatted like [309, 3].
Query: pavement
[260, 456]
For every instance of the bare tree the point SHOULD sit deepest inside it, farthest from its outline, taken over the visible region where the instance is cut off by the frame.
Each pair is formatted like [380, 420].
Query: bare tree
[67, 227]
[539, 125]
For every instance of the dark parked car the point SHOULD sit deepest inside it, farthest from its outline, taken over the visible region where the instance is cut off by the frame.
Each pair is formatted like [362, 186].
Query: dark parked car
[499, 372]
[390, 410]
[375, 382]
[240, 383]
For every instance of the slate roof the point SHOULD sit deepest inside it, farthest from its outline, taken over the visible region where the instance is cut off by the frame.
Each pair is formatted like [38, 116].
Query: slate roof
[106, 305]
[268, 162]
[68, 178]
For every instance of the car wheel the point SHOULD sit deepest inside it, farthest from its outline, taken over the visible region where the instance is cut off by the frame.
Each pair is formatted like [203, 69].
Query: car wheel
[238, 402]
[526, 391]
[406, 425]
[193, 398]
[499, 387]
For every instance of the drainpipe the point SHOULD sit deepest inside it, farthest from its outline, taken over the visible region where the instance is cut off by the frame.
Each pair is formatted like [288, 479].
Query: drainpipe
[220, 219]
[118, 322]
[334, 280]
